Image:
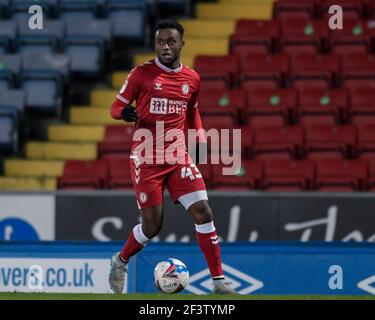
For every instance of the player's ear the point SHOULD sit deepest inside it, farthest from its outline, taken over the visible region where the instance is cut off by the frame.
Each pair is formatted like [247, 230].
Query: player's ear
[182, 44]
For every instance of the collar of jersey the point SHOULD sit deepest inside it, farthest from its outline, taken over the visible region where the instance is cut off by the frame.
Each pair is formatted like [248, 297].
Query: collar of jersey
[161, 66]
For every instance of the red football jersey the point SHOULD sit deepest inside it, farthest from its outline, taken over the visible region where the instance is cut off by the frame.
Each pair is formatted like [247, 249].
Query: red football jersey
[162, 96]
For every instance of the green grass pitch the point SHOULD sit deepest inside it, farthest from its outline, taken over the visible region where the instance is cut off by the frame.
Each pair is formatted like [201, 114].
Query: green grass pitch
[70, 296]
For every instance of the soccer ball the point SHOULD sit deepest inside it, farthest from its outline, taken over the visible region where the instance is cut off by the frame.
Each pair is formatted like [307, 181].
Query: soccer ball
[171, 276]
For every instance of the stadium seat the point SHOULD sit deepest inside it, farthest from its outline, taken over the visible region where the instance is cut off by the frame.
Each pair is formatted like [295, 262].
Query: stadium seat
[301, 35]
[320, 102]
[75, 9]
[60, 151]
[264, 71]
[276, 142]
[286, 9]
[195, 28]
[371, 183]
[119, 172]
[254, 36]
[362, 102]
[10, 68]
[219, 102]
[46, 39]
[8, 29]
[49, 102]
[366, 141]
[314, 71]
[27, 184]
[247, 177]
[218, 122]
[84, 175]
[8, 132]
[271, 102]
[102, 98]
[83, 115]
[317, 120]
[330, 141]
[73, 133]
[286, 175]
[118, 139]
[217, 68]
[4, 85]
[361, 121]
[354, 38]
[358, 67]
[33, 168]
[85, 42]
[341, 175]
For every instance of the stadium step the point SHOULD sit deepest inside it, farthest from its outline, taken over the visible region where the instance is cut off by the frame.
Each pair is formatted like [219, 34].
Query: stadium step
[209, 46]
[75, 133]
[91, 116]
[103, 98]
[211, 11]
[61, 151]
[118, 79]
[27, 184]
[208, 29]
[32, 168]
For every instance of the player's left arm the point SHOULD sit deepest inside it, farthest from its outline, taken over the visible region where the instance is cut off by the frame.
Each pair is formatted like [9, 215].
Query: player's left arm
[194, 121]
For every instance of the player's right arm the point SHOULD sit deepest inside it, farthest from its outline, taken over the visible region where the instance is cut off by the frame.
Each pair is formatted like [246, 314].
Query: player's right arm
[121, 107]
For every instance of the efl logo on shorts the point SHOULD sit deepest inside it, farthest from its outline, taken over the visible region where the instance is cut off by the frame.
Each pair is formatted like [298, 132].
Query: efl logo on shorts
[159, 106]
[143, 197]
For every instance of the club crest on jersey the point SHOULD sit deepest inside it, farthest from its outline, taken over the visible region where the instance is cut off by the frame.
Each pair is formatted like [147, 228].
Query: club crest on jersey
[143, 197]
[157, 86]
[185, 88]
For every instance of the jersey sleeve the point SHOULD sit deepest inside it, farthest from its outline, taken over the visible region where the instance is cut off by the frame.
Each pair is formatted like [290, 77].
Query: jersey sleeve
[127, 94]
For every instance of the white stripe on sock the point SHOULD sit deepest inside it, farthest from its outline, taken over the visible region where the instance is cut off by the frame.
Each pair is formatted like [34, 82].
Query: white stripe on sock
[205, 228]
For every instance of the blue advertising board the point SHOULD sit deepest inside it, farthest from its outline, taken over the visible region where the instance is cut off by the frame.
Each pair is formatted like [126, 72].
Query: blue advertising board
[253, 268]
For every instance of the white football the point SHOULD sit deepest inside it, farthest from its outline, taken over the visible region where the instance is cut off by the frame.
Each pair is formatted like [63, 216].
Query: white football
[171, 275]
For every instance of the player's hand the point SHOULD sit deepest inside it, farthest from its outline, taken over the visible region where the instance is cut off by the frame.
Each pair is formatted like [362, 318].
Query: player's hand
[201, 152]
[129, 114]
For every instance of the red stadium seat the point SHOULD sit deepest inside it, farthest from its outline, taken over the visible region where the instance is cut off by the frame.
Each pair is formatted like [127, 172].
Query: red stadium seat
[341, 175]
[271, 102]
[358, 67]
[247, 177]
[79, 174]
[281, 173]
[119, 173]
[330, 141]
[362, 102]
[262, 71]
[218, 122]
[366, 141]
[320, 102]
[354, 38]
[301, 35]
[314, 71]
[219, 102]
[286, 9]
[276, 142]
[352, 9]
[317, 120]
[254, 36]
[217, 68]
[363, 120]
[117, 140]
[354, 84]
[371, 183]
[266, 121]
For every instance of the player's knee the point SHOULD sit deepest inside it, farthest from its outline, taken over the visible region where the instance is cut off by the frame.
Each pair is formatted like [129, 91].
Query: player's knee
[201, 212]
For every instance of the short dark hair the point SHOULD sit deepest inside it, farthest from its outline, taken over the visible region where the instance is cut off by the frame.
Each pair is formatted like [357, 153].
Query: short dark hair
[170, 24]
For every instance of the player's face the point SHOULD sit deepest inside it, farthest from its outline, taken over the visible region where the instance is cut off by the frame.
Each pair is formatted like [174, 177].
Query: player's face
[168, 45]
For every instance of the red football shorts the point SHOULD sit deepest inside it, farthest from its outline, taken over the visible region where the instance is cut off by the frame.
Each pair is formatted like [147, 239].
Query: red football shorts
[184, 183]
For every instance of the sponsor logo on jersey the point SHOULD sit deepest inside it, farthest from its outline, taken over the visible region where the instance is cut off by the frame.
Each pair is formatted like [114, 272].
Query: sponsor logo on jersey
[165, 106]
[185, 88]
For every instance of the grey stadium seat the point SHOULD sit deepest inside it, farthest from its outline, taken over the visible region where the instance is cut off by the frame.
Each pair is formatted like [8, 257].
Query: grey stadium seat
[8, 31]
[10, 68]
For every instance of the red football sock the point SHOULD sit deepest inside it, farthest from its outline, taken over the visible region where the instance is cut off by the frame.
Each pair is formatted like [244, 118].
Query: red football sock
[209, 244]
[133, 245]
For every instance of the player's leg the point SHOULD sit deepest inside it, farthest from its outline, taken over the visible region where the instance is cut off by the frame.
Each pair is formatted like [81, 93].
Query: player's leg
[187, 186]
[208, 242]
[148, 184]
[139, 236]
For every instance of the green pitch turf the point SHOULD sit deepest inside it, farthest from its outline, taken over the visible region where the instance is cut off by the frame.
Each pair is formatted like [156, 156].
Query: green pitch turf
[70, 296]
